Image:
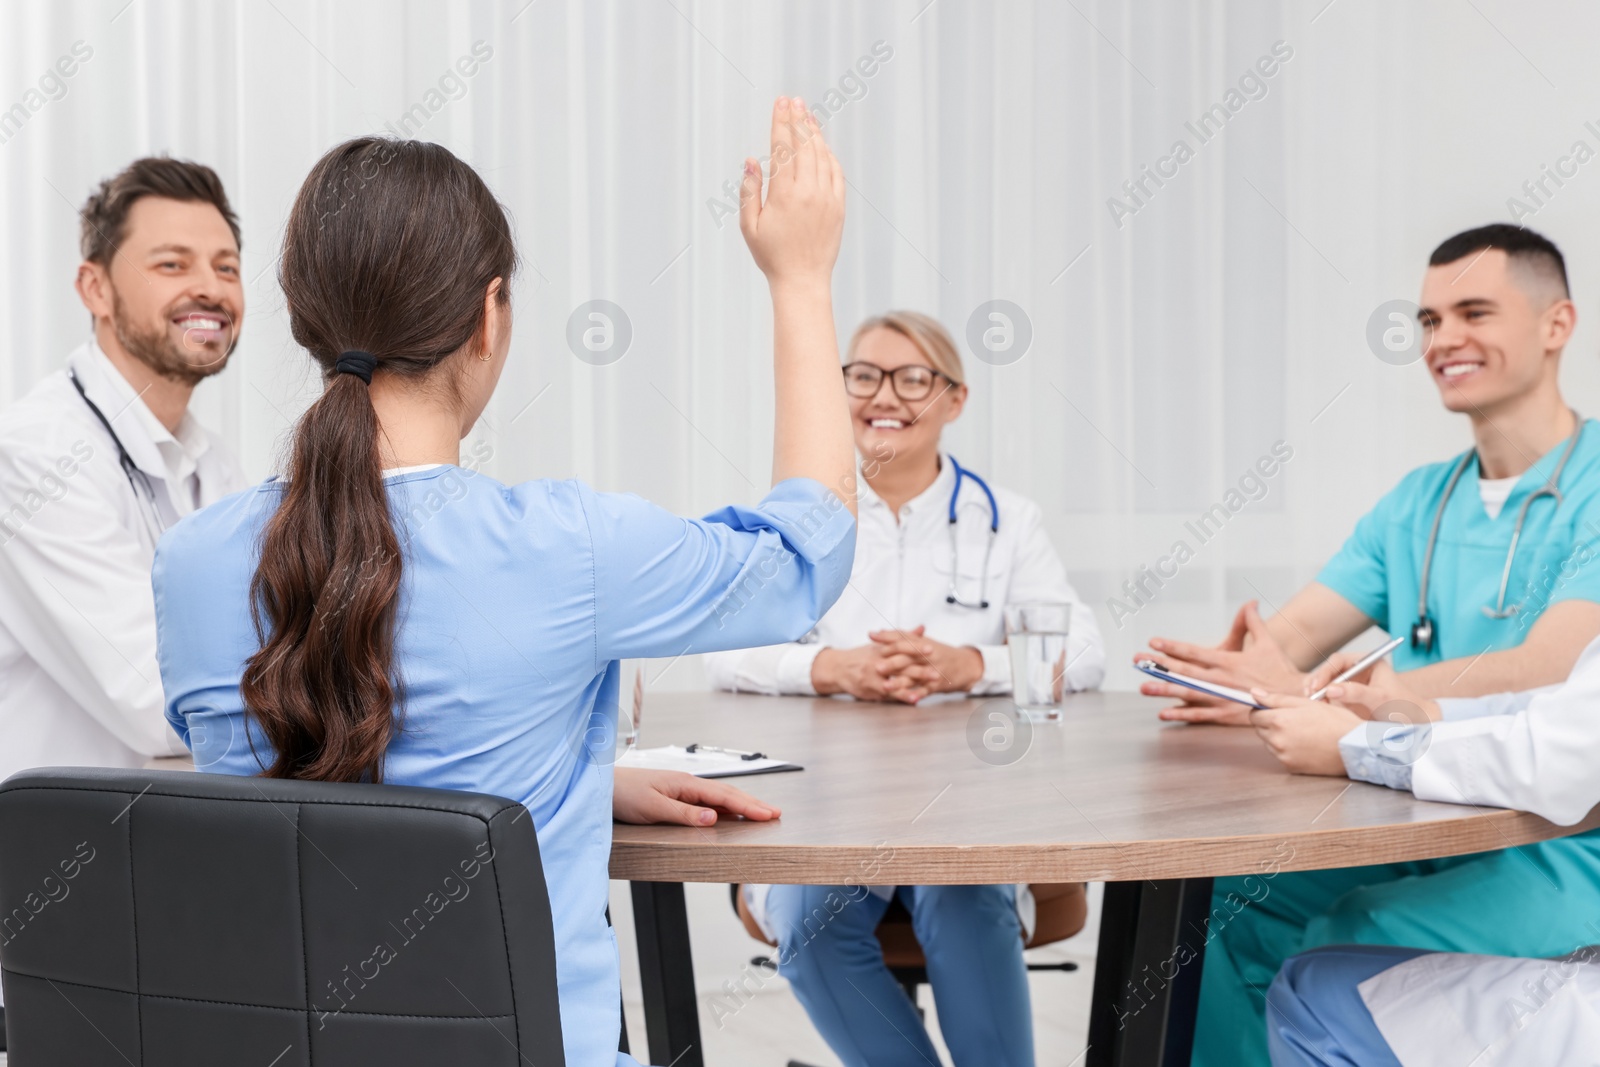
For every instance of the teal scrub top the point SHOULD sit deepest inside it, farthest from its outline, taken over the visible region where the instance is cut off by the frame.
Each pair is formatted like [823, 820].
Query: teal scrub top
[1379, 569]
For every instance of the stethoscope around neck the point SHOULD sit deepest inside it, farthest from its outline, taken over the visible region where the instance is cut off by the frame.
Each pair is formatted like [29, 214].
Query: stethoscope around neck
[1425, 631]
[953, 597]
[137, 478]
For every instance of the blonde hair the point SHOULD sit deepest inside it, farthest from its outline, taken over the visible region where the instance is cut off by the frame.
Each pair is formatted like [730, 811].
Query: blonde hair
[924, 331]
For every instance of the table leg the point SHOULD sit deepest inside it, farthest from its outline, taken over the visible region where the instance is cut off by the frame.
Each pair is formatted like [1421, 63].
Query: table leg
[666, 969]
[1147, 973]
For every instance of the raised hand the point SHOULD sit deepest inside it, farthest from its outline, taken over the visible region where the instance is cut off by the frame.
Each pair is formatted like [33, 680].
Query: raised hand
[794, 234]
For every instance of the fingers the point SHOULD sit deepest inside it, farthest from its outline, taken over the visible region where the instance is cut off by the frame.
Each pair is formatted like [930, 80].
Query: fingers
[1229, 714]
[660, 808]
[916, 649]
[1330, 669]
[1256, 624]
[893, 663]
[782, 170]
[1276, 700]
[1235, 637]
[808, 144]
[1355, 693]
[689, 801]
[918, 674]
[749, 198]
[1183, 650]
[1178, 692]
[729, 799]
[889, 637]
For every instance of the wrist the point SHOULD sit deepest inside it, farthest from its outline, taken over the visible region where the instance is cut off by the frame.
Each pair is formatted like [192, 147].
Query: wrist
[822, 673]
[801, 287]
[976, 668]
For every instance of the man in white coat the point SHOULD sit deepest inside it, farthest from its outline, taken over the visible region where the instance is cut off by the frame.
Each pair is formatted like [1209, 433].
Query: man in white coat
[100, 457]
[1380, 1005]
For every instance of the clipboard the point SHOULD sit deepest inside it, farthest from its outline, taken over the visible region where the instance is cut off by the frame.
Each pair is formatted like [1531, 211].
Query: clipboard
[703, 761]
[1157, 671]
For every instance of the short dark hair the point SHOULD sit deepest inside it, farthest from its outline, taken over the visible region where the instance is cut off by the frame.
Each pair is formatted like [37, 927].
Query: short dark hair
[1520, 244]
[103, 222]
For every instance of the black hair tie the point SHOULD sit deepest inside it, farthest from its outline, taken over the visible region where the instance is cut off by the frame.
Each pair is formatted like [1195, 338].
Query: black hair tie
[357, 362]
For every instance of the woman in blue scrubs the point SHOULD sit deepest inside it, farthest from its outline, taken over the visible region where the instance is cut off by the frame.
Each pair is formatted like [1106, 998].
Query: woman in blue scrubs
[374, 615]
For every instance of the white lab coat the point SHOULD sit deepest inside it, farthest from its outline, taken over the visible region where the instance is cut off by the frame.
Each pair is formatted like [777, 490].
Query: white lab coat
[902, 575]
[900, 580]
[1538, 752]
[79, 683]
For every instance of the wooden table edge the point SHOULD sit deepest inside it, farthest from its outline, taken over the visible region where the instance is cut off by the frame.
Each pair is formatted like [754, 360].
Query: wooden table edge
[700, 857]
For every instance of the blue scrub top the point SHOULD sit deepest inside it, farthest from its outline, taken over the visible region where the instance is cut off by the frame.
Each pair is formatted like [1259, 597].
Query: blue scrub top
[1379, 569]
[516, 604]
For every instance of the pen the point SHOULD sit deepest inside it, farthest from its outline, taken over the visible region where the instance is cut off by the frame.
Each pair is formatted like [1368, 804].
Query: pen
[697, 747]
[1366, 661]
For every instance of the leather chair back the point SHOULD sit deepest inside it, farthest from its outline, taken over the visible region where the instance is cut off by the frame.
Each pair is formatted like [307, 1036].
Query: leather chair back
[176, 919]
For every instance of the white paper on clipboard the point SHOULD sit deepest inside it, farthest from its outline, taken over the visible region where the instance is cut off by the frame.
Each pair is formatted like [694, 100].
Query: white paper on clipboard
[701, 764]
[1155, 670]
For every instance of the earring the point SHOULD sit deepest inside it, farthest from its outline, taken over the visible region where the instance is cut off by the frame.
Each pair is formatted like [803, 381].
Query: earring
[486, 357]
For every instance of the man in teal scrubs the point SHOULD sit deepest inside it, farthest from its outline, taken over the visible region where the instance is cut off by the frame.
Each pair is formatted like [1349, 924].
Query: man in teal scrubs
[1495, 317]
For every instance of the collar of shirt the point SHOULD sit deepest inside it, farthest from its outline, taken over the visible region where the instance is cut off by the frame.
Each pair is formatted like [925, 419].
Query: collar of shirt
[932, 501]
[154, 449]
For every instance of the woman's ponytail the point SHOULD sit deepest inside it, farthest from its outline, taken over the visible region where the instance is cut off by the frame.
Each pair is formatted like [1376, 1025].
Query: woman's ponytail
[388, 252]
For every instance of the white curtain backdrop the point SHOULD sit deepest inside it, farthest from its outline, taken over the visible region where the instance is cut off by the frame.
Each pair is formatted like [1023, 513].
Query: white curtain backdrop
[1174, 340]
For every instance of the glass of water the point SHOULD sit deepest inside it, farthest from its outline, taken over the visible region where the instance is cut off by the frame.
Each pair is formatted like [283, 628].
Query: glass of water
[1037, 637]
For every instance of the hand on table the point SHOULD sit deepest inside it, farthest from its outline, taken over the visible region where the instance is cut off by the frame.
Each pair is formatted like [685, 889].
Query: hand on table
[922, 665]
[1249, 656]
[896, 665]
[645, 797]
[1304, 734]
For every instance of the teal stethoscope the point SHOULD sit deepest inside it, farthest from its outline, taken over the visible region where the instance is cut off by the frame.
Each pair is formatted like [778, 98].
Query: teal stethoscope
[1424, 631]
[962, 474]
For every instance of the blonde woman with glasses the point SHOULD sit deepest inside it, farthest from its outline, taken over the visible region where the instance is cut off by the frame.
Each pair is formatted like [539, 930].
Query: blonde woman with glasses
[939, 555]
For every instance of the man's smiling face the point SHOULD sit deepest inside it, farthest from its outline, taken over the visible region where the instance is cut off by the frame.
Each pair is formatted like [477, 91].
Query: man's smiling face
[1483, 327]
[177, 302]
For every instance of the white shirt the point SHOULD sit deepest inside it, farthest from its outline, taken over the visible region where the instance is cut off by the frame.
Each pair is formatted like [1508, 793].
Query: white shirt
[900, 579]
[1534, 751]
[1494, 492]
[79, 683]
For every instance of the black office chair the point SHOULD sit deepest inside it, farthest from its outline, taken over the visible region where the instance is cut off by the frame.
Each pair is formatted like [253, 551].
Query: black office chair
[174, 919]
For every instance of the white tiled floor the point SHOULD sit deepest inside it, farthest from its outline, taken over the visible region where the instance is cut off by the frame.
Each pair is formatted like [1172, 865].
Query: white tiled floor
[770, 1028]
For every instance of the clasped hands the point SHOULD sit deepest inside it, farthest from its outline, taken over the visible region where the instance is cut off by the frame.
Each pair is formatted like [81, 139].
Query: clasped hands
[1303, 734]
[897, 665]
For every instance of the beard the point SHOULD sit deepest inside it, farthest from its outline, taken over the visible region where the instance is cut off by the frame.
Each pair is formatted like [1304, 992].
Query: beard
[156, 349]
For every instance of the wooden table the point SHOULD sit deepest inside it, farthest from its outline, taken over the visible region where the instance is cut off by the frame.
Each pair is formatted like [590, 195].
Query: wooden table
[960, 793]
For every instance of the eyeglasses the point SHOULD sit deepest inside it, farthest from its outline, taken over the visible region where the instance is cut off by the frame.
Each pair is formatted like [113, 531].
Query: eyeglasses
[913, 382]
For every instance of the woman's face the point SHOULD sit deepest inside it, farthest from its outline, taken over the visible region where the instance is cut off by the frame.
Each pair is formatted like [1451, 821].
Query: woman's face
[887, 428]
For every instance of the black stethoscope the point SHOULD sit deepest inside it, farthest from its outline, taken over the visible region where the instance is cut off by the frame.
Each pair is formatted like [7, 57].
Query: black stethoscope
[1425, 631]
[955, 546]
[137, 478]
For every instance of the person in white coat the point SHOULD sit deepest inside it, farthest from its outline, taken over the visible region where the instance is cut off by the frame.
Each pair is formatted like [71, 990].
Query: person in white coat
[939, 554]
[103, 455]
[924, 611]
[1533, 751]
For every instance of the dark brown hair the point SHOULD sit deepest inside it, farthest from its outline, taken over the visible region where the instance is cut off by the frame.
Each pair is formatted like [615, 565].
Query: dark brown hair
[103, 222]
[389, 249]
